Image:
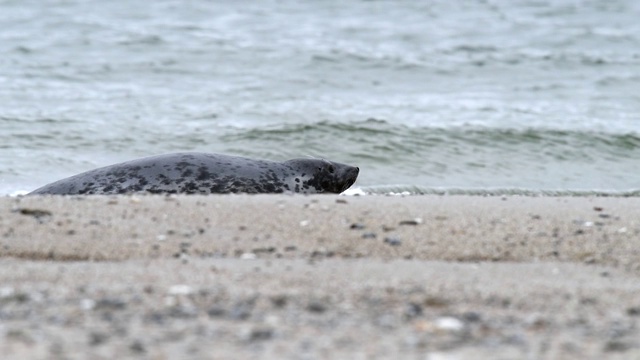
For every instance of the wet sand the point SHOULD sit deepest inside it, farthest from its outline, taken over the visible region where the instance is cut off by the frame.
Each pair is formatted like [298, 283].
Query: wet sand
[319, 277]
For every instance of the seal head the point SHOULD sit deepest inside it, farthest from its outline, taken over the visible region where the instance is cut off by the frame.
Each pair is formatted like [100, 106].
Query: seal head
[320, 176]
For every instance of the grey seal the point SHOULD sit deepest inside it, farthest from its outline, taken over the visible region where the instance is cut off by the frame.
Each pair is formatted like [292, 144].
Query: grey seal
[203, 173]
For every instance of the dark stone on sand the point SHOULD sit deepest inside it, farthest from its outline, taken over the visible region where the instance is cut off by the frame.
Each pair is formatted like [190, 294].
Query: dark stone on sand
[316, 306]
[392, 241]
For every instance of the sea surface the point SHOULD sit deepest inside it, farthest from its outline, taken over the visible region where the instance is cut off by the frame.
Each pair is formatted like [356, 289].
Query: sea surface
[527, 96]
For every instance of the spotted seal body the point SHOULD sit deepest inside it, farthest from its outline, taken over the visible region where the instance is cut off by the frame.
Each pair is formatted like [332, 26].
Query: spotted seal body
[201, 173]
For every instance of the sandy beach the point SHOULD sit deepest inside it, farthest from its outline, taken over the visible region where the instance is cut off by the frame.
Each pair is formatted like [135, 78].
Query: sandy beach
[319, 277]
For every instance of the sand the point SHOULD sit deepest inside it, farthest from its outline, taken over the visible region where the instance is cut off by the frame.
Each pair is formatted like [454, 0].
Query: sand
[319, 277]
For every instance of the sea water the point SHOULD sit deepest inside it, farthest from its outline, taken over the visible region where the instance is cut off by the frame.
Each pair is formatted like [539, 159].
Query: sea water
[524, 96]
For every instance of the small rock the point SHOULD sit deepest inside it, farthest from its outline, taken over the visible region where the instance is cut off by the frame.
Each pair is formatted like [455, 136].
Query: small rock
[261, 333]
[242, 309]
[279, 301]
[269, 249]
[341, 201]
[616, 346]
[87, 304]
[369, 235]
[180, 289]
[392, 241]
[633, 311]
[316, 307]
[137, 347]
[110, 304]
[436, 302]
[248, 256]
[449, 323]
[215, 311]
[97, 338]
[356, 226]
[304, 223]
[471, 316]
[412, 310]
[37, 213]
[182, 312]
[416, 221]
[6, 291]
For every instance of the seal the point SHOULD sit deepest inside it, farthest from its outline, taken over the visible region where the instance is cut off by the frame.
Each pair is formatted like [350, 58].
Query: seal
[203, 173]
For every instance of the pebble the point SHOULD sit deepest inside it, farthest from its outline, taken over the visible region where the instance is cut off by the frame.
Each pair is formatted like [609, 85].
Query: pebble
[413, 310]
[110, 304]
[6, 291]
[356, 226]
[97, 338]
[369, 235]
[392, 241]
[180, 289]
[471, 316]
[279, 301]
[248, 256]
[316, 306]
[270, 249]
[242, 310]
[633, 311]
[616, 346]
[35, 212]
[261, 333]
[137, 347]
[87, 304]
[449, 323]
[416, 221]
[215, 311]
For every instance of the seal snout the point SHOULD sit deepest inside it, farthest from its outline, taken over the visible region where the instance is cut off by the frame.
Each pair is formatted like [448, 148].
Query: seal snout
[350, 176]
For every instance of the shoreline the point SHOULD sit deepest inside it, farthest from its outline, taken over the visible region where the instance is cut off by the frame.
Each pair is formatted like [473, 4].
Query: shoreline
[247, 276]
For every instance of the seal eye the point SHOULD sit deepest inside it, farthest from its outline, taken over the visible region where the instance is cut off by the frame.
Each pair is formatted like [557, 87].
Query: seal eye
[331, 169]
